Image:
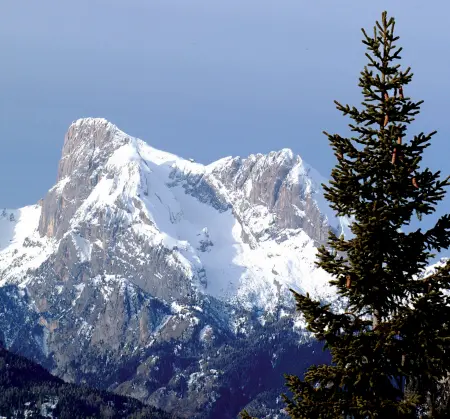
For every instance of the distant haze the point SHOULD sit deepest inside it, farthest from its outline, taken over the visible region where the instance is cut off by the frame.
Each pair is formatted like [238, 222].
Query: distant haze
[202, 79]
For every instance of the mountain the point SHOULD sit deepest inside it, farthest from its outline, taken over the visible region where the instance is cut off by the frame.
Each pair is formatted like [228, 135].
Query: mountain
[27, 390]
[163, 279]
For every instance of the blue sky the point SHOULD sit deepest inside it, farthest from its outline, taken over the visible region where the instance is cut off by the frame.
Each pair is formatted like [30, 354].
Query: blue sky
[200, 78]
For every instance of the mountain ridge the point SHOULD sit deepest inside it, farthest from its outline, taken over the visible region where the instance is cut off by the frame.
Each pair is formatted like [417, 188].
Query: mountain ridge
[157, 277]
[70, 199]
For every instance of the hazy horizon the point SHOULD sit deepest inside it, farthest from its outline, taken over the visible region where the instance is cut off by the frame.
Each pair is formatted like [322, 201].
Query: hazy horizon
[201, 80]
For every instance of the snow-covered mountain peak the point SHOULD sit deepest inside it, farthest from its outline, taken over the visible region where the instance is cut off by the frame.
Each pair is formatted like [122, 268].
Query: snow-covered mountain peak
[239, 229]
[85, 140]
[135, 248]
[284, 155]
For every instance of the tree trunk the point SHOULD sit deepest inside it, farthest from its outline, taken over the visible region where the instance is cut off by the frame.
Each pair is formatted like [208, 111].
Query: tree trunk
[376, 318]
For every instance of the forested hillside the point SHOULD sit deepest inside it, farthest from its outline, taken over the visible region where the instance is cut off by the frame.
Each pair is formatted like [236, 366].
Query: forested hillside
[28, 390]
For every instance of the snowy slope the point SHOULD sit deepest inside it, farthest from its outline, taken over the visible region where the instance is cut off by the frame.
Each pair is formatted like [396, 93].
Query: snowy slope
[16, 225]
[21, 247]
[7, 226]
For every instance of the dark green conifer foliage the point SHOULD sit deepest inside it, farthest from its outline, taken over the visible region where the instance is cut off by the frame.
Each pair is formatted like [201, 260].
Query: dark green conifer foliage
[390, 348]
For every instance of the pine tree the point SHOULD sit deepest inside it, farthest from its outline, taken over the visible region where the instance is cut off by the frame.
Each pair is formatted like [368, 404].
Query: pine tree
[390, 347]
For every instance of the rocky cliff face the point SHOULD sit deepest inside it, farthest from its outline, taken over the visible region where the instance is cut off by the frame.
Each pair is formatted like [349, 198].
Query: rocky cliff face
[164, 279]
[88, 145]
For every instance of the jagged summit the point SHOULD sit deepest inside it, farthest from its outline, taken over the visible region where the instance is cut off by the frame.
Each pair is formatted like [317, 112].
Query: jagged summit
[85, 139]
